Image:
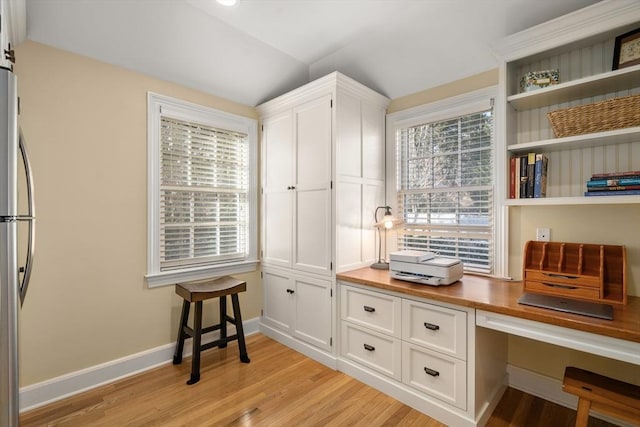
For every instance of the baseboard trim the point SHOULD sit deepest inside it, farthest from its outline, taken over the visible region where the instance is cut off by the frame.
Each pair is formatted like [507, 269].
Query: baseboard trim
[301, 347]
[550, 389]
[43, 393]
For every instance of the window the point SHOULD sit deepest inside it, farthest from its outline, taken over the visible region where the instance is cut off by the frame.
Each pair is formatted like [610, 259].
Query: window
[202, 192]
[444, 181]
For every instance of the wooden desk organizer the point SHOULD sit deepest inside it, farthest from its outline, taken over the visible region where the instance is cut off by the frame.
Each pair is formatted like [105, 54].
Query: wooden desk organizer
[577, 270]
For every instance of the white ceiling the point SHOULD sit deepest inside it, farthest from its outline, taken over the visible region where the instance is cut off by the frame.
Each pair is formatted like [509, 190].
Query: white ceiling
[259, 49]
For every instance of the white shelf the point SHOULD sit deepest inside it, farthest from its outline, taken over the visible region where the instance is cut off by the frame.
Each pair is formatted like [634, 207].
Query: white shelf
[618, 136]
[578, 200]
[598, 84]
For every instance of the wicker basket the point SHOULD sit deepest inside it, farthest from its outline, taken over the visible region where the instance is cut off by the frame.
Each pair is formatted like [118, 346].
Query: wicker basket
[600, 116]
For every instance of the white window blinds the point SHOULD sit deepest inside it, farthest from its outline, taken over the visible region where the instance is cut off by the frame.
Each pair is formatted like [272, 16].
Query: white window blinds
[204, 192]
[445, 188]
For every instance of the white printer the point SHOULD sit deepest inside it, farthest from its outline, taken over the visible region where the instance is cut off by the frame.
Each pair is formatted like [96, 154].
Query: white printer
[424, 268]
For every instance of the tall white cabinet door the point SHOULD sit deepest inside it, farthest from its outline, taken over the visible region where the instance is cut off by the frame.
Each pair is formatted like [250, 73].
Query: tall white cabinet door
[277, 191]
[312, 321]
[312, 230]
[279, 297]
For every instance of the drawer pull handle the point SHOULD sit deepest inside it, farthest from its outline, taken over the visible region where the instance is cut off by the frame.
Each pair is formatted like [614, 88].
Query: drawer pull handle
[369, 347]
[555, 285]
[431, 326]
[291, 291]
[369, 309]
[431, 372]
[561, 276]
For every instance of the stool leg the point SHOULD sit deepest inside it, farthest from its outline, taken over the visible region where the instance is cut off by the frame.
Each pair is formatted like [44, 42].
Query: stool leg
[582, 418]
[197, 338]
[244, 357]
[184, 317]
[223, 321]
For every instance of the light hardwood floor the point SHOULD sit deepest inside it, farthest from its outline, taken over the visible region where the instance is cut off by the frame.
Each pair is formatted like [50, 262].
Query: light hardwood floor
[280, 387]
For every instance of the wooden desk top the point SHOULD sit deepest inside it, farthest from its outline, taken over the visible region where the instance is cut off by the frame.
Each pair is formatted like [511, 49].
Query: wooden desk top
[500, 296]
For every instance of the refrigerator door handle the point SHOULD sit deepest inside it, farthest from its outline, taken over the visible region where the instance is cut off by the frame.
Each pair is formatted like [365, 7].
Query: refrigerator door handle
[31, 217]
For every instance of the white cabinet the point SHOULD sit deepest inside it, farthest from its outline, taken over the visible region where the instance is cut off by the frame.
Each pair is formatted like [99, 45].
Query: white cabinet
[425, 353]
[299, 306]
[322, 178]
[297, 187]
[423, 345]
[580, 45]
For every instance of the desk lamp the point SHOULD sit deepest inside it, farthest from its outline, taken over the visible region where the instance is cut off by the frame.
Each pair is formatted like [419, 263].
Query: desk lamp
[388, 221]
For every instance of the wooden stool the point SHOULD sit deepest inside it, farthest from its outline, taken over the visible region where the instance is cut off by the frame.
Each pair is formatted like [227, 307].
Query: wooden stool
[198, 292]
[606, 395]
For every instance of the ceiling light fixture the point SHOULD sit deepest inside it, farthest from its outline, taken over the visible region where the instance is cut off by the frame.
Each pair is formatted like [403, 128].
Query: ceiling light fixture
[227, 2]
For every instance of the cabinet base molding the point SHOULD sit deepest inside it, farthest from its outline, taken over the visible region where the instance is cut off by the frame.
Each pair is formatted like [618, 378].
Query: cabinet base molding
[420, 402]
[301, 347]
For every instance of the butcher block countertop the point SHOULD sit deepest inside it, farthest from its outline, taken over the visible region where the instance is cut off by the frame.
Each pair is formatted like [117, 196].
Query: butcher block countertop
[501, 296]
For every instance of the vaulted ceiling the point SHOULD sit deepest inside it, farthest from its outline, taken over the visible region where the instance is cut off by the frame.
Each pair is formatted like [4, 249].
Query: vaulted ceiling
[258, 49]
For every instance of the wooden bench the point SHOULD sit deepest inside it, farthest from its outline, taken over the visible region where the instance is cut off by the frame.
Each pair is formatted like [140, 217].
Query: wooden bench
[606, 395]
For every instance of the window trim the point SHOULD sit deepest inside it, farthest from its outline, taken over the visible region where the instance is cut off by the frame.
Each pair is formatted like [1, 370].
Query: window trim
[193, 112]
[441, 110]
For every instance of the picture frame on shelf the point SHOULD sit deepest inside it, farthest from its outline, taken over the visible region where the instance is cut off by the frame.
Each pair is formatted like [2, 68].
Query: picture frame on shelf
[626, 50]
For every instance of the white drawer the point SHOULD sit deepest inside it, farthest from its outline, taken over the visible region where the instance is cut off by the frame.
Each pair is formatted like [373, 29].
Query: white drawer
[371, 309]
[374, 350]
[435, 374]
[438, 328]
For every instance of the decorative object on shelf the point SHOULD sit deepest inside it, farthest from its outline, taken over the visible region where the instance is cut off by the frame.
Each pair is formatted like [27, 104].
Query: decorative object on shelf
[539, 79]
[387, 222]
[626, 51]
[616, 113]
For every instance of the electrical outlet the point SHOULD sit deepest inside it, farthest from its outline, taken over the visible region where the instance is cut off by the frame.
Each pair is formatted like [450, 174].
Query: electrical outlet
[543, 234]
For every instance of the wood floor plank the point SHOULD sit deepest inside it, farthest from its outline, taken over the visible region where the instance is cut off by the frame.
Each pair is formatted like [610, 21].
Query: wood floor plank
[280, 387]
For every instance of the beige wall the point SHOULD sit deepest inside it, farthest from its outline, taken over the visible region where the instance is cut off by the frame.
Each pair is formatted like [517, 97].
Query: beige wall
[469, 84]
[86, 127]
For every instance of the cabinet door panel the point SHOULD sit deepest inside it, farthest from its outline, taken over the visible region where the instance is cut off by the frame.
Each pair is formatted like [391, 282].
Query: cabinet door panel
[277, 152]
[277, 179]
[313, 311]
[348, 136]
[313, 143]
[278, 302]
[373, 156]
[349, 226]
[312, 235]
[276, 233]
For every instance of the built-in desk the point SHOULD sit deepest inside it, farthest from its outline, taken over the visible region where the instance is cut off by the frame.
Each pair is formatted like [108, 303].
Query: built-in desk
[496, 308]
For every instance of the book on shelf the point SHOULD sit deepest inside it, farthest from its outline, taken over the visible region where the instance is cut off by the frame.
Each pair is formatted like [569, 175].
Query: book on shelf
[528, 176]
[540, 177]
[512, 178]
[613, 193]
[613, 182]
[531, 174]
[523, 177]
[611, 175]
[615, 188]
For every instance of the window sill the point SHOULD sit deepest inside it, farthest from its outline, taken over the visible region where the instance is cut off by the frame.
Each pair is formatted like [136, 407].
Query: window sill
[172, 277]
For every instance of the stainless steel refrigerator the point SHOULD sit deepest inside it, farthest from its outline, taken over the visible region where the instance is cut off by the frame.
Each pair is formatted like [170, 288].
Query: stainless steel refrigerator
[14, 278]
